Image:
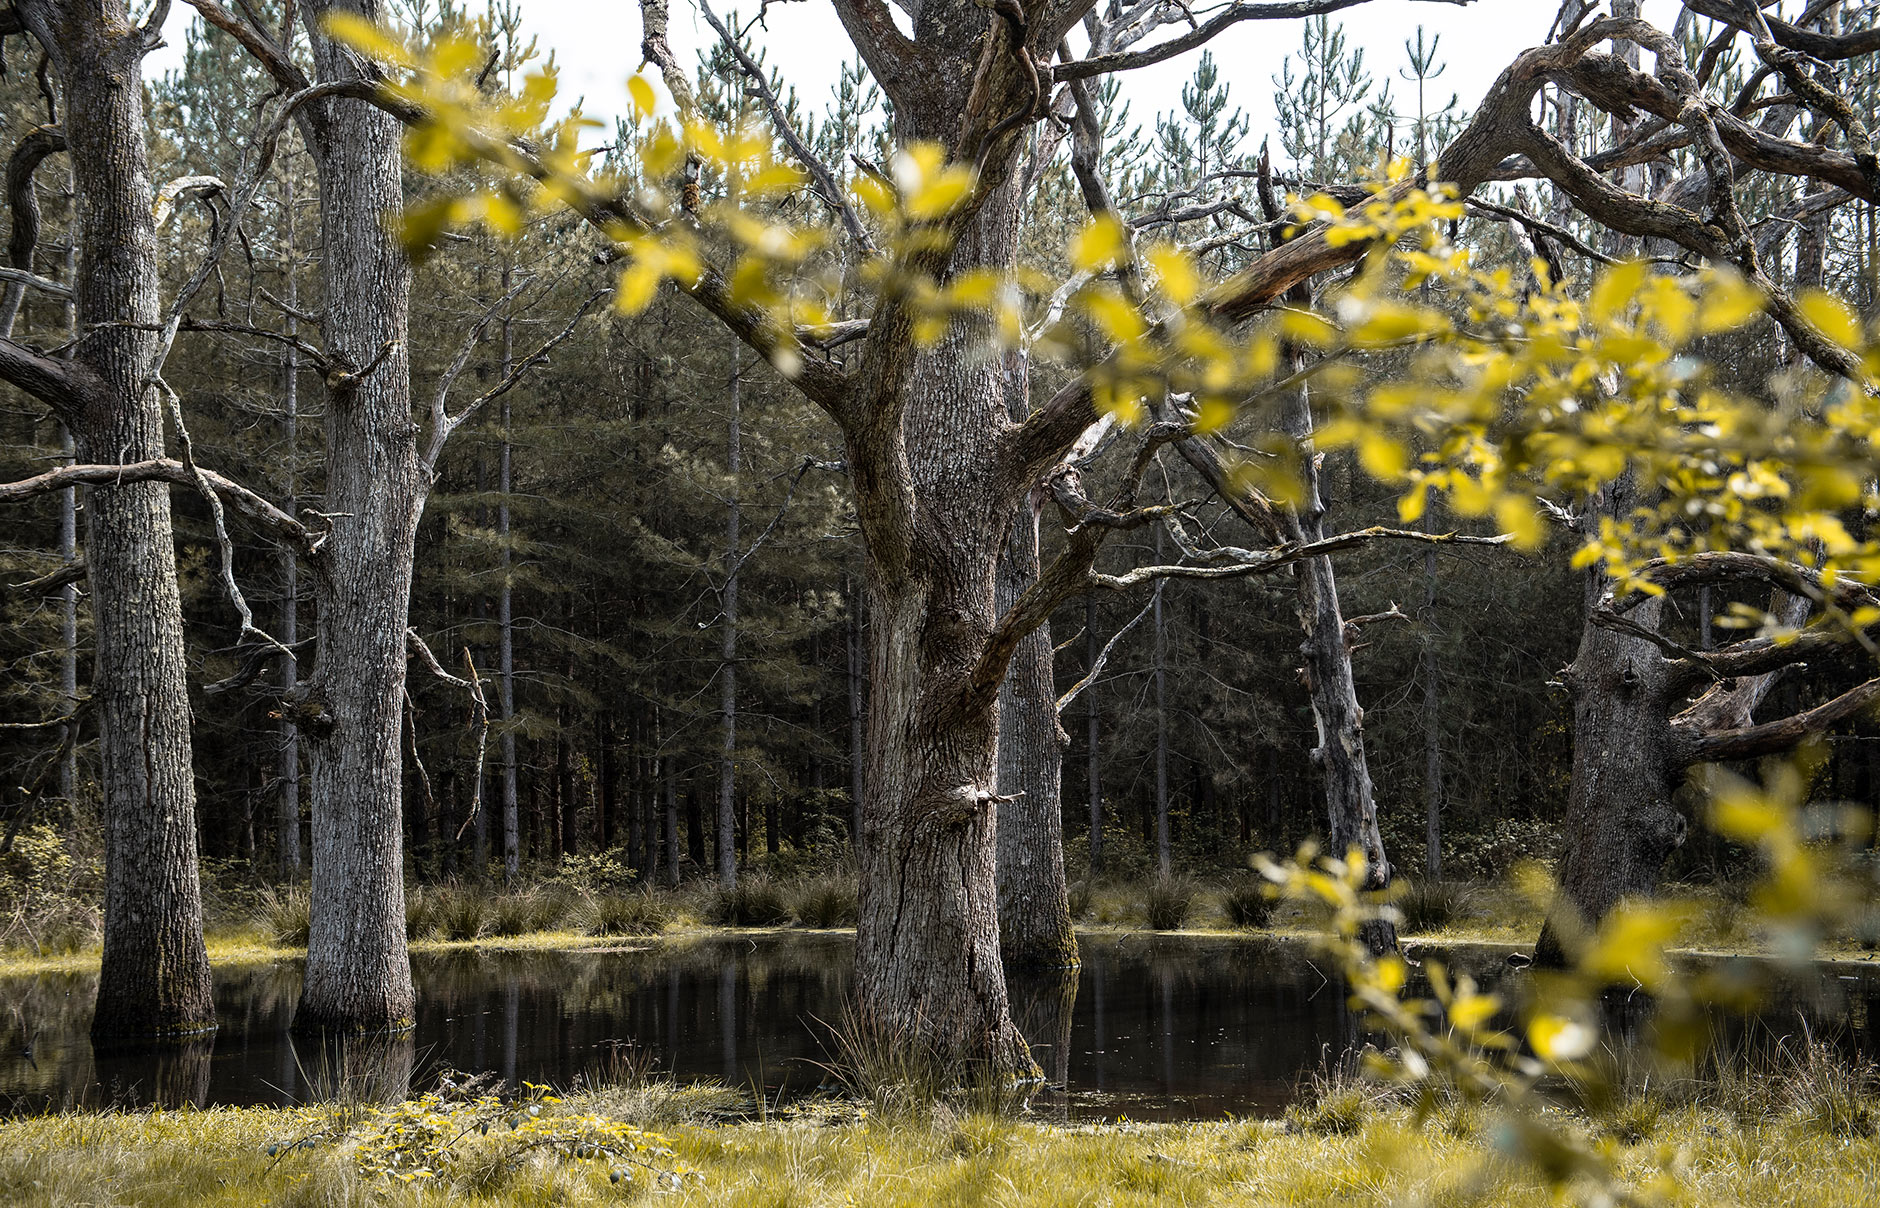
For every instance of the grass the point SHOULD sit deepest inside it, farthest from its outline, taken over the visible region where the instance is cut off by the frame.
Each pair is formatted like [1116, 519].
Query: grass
[555, 914]
[831, 1156]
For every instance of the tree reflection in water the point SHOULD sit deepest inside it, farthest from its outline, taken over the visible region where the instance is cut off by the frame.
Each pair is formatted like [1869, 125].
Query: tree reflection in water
[1151, 1026]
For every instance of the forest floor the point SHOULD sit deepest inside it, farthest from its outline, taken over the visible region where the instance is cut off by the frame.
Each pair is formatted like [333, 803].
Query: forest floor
[837, 1154]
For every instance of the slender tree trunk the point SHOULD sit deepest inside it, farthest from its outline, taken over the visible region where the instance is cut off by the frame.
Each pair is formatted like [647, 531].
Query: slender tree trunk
[728, 655]
[858, 746]
[1432, 728]
[505, 623]
[154, 976]
[1162, 860]
[1350, 804]
[1093, 721]
[287, 815]
[1034, 907]
[672, 824]
[68, 547]
[358, 974]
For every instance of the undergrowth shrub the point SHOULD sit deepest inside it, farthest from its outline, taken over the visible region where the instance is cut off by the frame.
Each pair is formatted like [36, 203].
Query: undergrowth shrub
[1433, 905]
[755, 902]
[47, 897]
[636, 912]
[1248, 904]
[282, 913]
[827, 901]
[1167, 901]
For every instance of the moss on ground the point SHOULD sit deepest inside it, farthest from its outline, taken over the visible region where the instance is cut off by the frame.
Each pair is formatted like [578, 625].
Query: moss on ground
[220, 1157]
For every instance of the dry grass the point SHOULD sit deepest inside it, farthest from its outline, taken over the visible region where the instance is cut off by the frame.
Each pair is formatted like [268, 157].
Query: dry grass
[218, 1157]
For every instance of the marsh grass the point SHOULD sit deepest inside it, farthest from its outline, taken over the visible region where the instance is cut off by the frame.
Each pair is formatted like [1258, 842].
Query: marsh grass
[635, 912]
[282, 915]
[217, 1158]
[1167, 903]
[755, 901]
[824, 901]
[1248, 904]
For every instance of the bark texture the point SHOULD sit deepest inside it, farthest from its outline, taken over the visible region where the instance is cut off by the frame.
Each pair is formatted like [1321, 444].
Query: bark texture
[358, 973]
[1622, 822]
[928, 966]
[154, 979]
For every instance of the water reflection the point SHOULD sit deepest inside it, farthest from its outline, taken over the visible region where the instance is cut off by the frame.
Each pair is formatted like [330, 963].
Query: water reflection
[1150, 1026]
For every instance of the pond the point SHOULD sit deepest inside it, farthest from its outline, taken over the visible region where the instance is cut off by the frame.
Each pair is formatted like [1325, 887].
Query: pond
[1160, 1027]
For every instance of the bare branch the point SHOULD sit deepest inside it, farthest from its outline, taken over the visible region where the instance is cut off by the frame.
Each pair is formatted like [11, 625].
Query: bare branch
[1103, 657]
[827, 187]
[244, 500]
[216, 517]
[1197, 35]
[447, 424]
[1771, 738]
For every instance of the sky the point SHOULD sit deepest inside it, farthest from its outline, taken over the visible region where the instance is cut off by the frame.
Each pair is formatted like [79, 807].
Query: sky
[597, 42]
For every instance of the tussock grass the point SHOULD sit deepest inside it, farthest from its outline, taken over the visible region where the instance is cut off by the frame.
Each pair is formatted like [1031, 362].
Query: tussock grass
[218, 1158]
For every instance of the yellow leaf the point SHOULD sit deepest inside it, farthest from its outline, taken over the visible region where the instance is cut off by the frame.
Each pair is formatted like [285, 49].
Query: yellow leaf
[874, 194]
[1557, 1038]
[1517, 516]
[1411, 504]
[362, 35]
[940, 195]
[1098, 246]
[1382, 458]
[641, 90]
[1212, 414]
[1471, 1011]
[1727, 302]
[1176, 273]
[1616, 288]
[1833, 316]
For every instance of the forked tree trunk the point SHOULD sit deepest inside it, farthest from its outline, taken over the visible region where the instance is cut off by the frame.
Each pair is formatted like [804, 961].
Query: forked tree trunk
[928, 969]
[358, 974]
[154, 980]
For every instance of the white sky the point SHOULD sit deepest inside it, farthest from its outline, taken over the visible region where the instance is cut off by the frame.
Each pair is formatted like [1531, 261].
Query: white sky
[597, 45]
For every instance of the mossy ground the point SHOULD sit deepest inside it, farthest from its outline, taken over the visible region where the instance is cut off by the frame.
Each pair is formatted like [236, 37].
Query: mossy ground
[219, 1157]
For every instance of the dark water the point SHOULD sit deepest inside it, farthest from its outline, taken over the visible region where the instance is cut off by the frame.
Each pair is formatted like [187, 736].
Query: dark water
[1158, 1027]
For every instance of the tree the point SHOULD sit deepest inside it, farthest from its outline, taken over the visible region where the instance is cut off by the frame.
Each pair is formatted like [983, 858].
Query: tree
[154, 978]
[939, 470]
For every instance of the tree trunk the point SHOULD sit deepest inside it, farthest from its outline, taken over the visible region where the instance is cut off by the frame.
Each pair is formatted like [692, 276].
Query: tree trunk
[1621, 822]
[154, 978]
[1351, 807]
[858, 746]
[1034, 907]
[1162, 854]
[505, 631]
[1432, 728]
[358, 975]
[728, 656]
[288, 806]
[928, 969]
[1093, 720]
